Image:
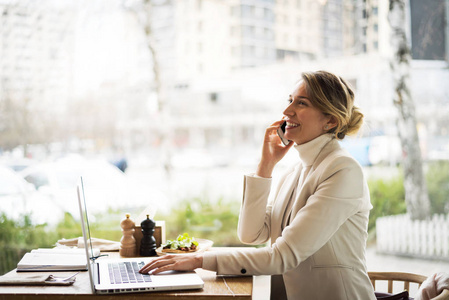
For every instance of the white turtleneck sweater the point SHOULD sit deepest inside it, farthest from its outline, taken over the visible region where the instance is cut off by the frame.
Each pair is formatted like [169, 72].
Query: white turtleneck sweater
[317, 224]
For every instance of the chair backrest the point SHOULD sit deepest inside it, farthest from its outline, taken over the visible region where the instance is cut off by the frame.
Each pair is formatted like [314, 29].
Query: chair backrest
[391, 277]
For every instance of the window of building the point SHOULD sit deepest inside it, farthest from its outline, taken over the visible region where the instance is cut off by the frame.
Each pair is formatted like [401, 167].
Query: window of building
[267, 33]
[268, 14]
[248, 31]
[213, 97]
[247, 11]
[235, 11]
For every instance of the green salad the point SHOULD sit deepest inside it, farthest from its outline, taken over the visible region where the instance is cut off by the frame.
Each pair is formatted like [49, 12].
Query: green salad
[183, 243]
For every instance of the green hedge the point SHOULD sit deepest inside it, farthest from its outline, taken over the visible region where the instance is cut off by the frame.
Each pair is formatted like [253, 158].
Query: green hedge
[387, 196]
[438, 186]
[202, 218]
[19, 237]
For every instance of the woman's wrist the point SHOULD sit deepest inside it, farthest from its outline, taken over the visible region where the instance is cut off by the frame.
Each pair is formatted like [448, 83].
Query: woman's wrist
[264, 170]
[199, 260]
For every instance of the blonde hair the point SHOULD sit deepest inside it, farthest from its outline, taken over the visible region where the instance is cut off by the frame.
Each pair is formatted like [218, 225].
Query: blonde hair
[333, 96]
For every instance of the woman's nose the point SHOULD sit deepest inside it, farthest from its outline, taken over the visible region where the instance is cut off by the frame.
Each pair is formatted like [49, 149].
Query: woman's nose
[288, 111]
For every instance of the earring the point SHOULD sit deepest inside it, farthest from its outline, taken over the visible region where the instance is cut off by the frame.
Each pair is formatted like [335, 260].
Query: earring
[326, 127]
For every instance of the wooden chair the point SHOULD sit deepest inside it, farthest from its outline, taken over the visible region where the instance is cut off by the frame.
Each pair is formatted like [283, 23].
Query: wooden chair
[406, 278]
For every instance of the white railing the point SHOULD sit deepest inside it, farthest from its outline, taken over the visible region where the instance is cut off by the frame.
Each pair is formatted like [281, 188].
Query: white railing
[402, 236]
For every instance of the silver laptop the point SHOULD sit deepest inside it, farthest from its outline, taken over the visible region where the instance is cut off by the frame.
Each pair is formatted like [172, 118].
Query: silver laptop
[108, 276]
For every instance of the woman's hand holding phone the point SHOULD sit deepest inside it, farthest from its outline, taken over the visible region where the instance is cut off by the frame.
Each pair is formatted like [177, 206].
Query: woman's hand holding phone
[281, 131]
[273, 150]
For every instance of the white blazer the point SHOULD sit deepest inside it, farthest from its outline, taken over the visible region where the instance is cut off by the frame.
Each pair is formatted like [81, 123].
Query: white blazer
[321, 253]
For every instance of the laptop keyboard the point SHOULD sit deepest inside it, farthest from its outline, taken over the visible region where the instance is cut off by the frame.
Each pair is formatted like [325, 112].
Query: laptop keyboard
[127, 272]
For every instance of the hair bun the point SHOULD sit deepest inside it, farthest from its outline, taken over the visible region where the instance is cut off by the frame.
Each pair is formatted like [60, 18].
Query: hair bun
[355, 121]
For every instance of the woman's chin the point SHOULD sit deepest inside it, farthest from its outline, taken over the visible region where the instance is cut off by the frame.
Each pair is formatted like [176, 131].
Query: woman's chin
[289, 137]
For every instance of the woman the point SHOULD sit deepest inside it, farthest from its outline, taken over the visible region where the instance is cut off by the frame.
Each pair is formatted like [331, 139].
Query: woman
[318, 220]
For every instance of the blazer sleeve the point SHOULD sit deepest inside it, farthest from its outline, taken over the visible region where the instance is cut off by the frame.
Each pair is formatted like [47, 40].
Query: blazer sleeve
[339, 195]
[254, 227]
[255, 215]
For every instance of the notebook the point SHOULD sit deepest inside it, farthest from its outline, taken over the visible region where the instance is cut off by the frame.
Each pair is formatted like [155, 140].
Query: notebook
[109, 276]
[54, 259]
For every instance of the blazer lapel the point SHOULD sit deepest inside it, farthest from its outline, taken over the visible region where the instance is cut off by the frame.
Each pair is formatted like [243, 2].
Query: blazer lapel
[282, 200]
[301, 200]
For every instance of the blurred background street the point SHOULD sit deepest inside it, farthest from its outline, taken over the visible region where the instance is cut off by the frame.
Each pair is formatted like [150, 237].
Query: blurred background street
[161, 106]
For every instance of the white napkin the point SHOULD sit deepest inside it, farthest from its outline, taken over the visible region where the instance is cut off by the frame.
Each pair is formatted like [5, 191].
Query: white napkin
[102, 244]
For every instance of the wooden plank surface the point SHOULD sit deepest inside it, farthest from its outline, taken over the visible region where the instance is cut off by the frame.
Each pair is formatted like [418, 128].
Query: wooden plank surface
[215, 287]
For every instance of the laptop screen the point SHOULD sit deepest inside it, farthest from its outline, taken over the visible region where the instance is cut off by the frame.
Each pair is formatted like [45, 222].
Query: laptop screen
[86, 233]
[86, 218]
[100, 270]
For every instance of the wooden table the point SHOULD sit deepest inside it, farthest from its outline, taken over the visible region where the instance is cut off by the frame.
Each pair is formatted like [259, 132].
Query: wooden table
[216, 287]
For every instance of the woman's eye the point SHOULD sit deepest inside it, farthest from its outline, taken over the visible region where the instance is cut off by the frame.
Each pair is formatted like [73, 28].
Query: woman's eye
[297, 102]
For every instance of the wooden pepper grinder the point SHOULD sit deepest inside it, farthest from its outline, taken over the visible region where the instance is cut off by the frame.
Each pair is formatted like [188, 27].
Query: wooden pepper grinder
[127, 242]
[148, 242]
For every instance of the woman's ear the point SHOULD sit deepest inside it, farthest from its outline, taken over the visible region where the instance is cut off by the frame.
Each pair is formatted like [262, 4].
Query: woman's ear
[331, 123]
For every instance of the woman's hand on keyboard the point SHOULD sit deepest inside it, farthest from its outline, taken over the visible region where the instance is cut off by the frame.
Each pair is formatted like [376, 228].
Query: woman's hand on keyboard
[187, 262]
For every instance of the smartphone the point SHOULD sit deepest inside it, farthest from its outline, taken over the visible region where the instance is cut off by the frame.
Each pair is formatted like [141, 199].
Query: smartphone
[281, 131]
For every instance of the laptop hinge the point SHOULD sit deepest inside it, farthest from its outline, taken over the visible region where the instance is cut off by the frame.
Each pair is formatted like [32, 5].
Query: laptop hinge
[96, 271]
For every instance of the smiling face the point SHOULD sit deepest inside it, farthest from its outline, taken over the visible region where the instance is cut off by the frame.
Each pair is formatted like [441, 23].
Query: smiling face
[304, 121]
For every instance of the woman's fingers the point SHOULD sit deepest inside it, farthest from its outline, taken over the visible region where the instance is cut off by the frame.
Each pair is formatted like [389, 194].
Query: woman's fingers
[162, 269]
[278, 123]
[273, 150]
[156, 263]
[173, 262]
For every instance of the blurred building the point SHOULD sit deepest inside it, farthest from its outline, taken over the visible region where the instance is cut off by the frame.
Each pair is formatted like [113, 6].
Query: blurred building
[59, 70]
[36, 59]
[230, 61]
[225, 66]
[296, 30]
[369, 29]
[332, 24]
[209, 37]
[199, 40]
[36, 53]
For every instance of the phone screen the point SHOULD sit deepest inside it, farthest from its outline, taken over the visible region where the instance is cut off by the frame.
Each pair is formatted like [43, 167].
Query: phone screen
[281, 131]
